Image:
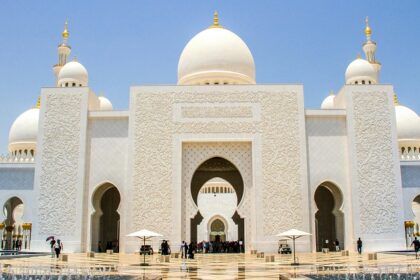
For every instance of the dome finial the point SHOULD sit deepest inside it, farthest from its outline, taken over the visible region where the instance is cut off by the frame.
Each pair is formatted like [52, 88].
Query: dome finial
[65, 32]
[216, 20]
[331, 92]
[38, 102]
[396, 103]
[368, 30]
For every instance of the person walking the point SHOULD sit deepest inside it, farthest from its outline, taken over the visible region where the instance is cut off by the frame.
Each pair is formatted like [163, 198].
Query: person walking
[337, 245]
[359, 246]
[52, 243]
[58, 246]
[184, 250]
[191, 251]
[99, 247]
[416, 244]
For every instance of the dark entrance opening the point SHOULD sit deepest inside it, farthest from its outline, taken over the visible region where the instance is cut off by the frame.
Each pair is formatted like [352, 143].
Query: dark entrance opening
[329, 219]
[106, 219]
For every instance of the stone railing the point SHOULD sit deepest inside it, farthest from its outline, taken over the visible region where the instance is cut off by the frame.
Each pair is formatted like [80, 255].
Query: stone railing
[17, 158]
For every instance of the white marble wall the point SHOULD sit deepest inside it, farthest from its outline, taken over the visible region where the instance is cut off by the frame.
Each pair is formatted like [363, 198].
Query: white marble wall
[60, 167]
[326, 131]
[375, 178]
[106, 156]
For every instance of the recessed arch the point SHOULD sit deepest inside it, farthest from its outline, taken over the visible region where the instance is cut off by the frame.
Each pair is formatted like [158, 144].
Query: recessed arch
[415, 207]
[13, 210]
[217, 167]
[329, 217]
[222, 168]
[217, 228]
[105, 220]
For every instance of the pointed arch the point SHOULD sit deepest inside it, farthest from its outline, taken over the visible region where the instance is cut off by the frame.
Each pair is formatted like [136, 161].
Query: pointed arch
[105, 219]
[329, 217]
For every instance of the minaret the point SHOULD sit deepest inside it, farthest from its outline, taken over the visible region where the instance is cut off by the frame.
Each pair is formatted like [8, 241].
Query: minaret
[370, 49]
[63, 51]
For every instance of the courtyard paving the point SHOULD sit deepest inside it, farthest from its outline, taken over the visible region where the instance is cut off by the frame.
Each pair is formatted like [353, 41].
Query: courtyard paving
[213, 266]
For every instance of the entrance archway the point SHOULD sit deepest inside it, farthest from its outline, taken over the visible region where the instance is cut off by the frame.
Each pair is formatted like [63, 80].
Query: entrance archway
[415, 206]
[106, 219]
[218, 167]
[329, 219]
[217, 230]
[13, 211]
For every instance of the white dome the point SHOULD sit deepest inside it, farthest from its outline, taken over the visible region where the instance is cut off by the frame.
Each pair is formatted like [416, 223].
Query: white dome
[24, 131]
[408, 123]
[105, 104]
[328, 102]
[216, 56]
[360, 71]
[73, 74]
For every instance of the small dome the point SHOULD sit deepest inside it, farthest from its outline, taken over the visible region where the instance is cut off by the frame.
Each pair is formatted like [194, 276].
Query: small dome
[408, 123]
[73, 74]
[328, 102]
[360, 71]
[24, 131]
[105, 104]
[216, 56]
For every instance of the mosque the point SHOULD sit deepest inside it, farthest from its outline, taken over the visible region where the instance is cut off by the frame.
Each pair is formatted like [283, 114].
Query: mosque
[215, 157]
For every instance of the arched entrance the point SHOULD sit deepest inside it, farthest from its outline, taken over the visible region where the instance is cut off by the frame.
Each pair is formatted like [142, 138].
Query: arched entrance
[217, 230]
[329, 219]
[219, 168]
[106, 219]
[415, 205]
[13, 210]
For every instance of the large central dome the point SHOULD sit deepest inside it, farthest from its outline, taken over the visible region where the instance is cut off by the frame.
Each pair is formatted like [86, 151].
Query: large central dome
[216, 56]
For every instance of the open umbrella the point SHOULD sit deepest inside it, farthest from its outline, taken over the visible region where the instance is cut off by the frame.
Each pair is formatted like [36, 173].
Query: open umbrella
[144, 234]
[293, 234]
[49, 238]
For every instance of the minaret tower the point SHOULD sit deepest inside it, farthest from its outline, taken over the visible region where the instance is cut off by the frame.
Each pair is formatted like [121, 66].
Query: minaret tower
[63, 51]
[370, 49]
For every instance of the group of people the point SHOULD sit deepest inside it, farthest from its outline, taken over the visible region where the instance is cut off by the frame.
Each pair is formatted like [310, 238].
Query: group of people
[220, 246]
[165, 249]
[187, 250]
[17, 244]
[337, 245]
[110, 245]
[56, 247]
[12, 244]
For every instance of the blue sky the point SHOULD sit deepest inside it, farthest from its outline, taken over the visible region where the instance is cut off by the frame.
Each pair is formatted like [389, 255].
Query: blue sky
[124, 43]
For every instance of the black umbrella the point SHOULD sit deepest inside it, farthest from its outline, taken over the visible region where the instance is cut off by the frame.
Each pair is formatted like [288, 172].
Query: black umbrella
[49, 238]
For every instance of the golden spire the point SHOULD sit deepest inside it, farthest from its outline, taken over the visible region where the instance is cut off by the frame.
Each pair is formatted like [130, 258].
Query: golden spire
[38, 102]
[368, 31]
[65, 32]
[359, 56]
[331, 92]
[216, 21]
[396, 103]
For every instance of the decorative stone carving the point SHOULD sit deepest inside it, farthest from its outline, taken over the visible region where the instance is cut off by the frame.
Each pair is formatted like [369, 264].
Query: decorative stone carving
[59, 171]
[281, 185]
[375, 163]
[217, 112]
[281, 158]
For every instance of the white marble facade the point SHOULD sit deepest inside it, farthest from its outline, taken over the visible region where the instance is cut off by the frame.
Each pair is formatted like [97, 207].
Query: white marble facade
[271, 151]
